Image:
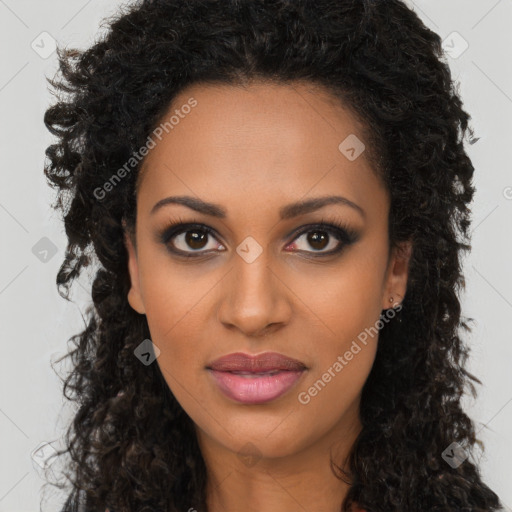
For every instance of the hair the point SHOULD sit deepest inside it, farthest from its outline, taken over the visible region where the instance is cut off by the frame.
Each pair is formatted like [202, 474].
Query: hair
[131, 446]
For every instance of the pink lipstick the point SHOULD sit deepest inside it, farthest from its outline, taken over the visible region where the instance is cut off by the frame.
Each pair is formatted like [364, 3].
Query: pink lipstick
[255, 379]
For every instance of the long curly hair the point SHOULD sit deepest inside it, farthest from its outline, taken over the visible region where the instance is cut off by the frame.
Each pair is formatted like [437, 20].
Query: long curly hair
[130, 445]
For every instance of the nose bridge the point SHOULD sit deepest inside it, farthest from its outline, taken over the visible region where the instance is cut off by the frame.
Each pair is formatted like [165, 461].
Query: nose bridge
[255, 297]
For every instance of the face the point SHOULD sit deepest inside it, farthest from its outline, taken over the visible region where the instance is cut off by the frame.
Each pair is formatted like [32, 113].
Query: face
[254, 274]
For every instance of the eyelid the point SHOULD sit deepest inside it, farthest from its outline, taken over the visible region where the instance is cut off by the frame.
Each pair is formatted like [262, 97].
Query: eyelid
[179, 226]
[334, 226]
[343, 232]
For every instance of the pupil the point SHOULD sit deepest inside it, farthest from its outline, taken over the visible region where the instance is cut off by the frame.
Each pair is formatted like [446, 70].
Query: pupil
[196, 239]
[314, 239]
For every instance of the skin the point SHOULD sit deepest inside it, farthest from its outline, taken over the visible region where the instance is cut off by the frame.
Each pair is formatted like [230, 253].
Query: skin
[253, 150]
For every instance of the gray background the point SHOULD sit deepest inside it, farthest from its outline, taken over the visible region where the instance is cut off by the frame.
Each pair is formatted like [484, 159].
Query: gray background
[36, 322]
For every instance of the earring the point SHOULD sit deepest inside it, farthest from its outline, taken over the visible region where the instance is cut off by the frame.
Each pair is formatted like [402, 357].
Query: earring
[392, 298]
[399, 317]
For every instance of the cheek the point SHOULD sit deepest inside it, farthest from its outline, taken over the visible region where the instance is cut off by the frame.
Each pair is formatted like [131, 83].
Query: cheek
[333, 393]
[344, 298]
[174, 315]
[172, 292]
[343, 310]
[174, 319]
[345, 340]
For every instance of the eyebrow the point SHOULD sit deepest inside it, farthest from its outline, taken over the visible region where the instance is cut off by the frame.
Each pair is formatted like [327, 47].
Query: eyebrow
[286, 212]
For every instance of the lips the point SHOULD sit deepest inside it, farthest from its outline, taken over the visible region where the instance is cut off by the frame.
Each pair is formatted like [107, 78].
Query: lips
[257, 379]
[268, 362]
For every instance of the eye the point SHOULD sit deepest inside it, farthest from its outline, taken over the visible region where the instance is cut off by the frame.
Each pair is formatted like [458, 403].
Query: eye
[318, 239]
[324, 239]
[193, 239]
[189, 238]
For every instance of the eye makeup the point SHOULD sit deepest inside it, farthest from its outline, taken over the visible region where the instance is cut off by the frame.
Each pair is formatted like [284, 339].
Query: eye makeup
[335, 229]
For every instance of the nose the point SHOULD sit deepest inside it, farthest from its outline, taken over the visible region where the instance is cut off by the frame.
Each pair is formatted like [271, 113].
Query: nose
[255, 298]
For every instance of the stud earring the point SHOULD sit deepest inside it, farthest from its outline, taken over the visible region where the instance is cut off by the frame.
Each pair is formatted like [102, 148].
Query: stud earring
[399, 317]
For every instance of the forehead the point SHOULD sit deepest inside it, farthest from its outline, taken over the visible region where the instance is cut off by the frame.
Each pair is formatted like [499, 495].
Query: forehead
[261, 142]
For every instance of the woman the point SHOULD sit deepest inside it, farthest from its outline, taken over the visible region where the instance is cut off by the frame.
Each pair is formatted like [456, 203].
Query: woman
[277, 196]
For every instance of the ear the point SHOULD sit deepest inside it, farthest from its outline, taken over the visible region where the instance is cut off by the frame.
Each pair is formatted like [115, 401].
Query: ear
[397, 273]
[134, 295]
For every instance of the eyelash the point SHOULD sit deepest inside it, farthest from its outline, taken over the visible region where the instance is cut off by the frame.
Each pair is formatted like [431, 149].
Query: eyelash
[345, 235]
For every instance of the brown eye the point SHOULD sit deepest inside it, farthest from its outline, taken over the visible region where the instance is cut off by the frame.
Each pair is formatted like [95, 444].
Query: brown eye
[318, 239]
[188, 239]
[196, 239]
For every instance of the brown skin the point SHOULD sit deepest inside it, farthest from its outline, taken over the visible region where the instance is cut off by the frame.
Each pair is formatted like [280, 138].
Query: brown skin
[253, 150]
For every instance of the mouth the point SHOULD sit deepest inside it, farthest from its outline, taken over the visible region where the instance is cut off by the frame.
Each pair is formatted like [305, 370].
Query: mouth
[255, 387]
[255, 379]
[241, 362]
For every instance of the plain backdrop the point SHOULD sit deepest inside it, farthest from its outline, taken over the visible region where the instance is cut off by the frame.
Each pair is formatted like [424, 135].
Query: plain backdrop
[36, 322]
